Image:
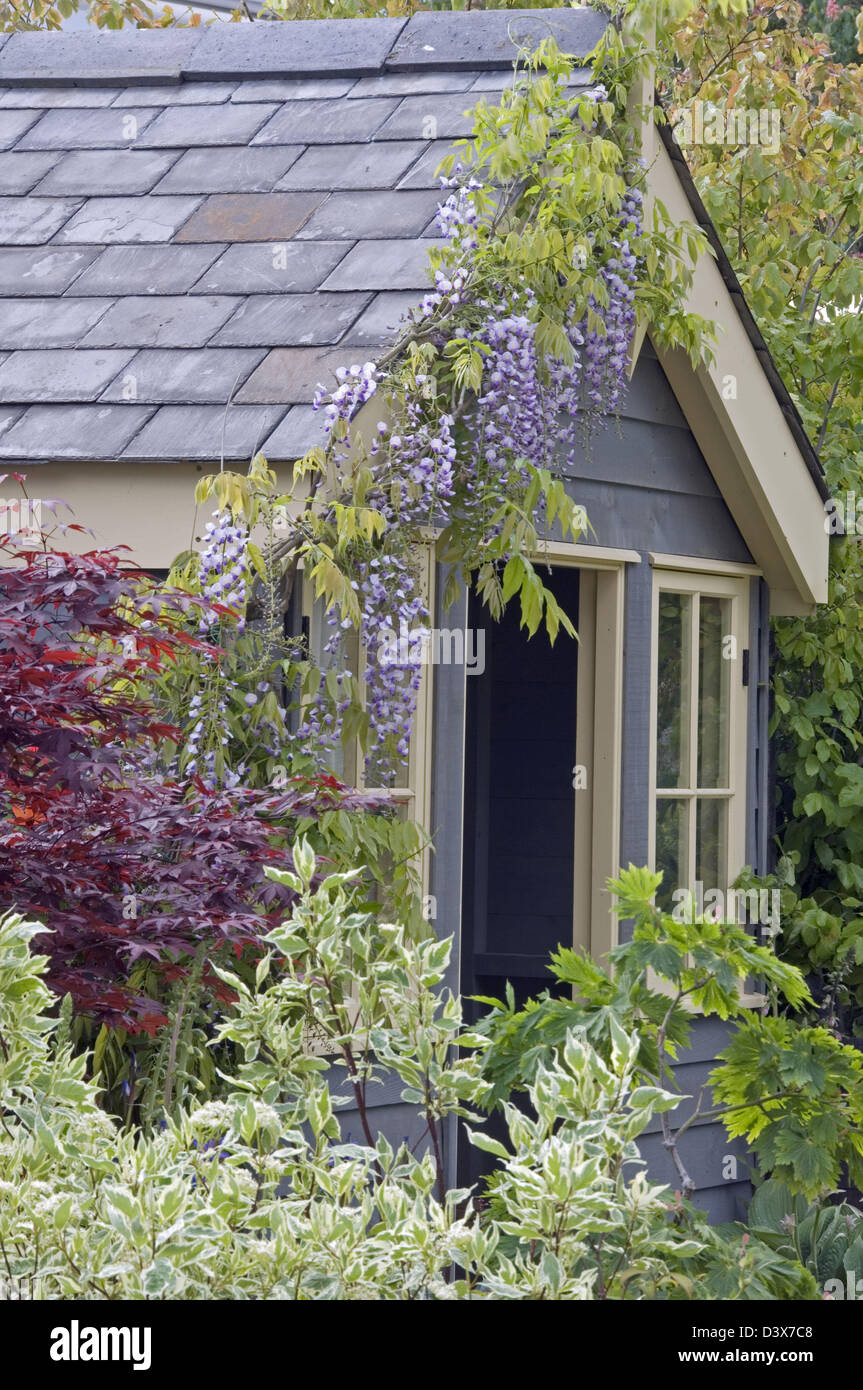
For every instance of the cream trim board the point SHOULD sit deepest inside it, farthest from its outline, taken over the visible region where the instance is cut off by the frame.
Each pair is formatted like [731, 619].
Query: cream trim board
[582, 888]
[740, 429]
[598, 741]
[784, 603]
[589, 556]
[608, 755]
[735, 589]
[701, 566]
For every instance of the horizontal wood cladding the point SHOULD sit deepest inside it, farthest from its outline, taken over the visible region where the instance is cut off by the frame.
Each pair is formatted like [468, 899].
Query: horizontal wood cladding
[643, 480]
[634, 516]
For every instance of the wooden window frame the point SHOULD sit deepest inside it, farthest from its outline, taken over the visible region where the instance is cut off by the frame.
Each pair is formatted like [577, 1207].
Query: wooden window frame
[731, 583]
[416, 795]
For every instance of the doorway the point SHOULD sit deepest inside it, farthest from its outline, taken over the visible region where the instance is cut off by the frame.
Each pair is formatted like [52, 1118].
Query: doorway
[519, 827]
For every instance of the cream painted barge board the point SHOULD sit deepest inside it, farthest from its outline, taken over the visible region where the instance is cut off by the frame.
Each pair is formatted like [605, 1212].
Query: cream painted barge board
[741, 431]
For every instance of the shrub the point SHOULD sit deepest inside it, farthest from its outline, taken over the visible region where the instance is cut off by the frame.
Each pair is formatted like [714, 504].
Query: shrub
[256, 1195]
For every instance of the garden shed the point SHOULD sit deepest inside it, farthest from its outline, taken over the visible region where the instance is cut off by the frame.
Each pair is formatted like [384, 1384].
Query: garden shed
[198, 226]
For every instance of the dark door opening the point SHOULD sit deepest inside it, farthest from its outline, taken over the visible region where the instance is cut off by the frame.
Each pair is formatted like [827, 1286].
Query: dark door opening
[519, 827]
[519, 802]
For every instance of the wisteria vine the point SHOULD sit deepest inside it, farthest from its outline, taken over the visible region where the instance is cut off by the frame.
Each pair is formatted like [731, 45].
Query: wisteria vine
[516, 354]
[525, 409]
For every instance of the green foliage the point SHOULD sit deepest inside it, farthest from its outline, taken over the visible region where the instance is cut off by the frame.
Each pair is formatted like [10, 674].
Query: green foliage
[18, 15]
[796, 1095]
[825, 1238]
[842, 25]
[707, 961]
[827, 946]
[578, 1227]
[699, 965]
[790, 219]
[256, 1196]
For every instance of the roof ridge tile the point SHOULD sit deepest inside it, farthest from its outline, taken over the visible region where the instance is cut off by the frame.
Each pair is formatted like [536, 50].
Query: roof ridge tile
[474, 40]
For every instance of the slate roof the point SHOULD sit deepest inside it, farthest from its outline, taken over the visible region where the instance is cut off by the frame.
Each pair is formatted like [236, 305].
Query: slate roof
[192, 215]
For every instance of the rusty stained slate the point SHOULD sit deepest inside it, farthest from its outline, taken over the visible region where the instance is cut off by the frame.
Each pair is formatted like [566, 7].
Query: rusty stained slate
[249, 217]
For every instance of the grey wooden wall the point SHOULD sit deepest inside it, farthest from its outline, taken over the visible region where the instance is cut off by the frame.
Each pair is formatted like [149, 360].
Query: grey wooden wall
[646, 487]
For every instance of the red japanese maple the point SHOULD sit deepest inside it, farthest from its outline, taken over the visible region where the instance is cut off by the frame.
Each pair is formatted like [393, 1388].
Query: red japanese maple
[117, 860]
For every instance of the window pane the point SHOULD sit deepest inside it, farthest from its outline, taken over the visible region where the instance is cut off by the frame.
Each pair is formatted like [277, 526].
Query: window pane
[386, 774]
[714, 681]
[673, 686]
[711, 837]
[672, 835]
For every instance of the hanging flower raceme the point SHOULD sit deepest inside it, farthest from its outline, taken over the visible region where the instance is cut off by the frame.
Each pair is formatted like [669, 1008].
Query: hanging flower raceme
[223, 565]
[393, 619]
[222, 579]
[511, 421]
[607, 354]
[412, 481]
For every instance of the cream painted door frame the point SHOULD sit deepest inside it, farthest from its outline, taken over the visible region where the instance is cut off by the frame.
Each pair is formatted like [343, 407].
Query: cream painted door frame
[599, 735]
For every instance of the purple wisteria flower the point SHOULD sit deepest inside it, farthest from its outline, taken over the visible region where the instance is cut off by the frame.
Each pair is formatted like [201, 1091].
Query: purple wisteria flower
[525, 408]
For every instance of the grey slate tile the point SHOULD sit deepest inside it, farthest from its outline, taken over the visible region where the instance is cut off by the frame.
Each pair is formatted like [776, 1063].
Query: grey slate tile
[379, 323]
[145, 270]
[289, 267]
[207, 375]
[315, 47]
[47, 270]
[149, 218]
[232, 169]
[19, 172]
[33, 221]
[430, 118]
[293, 374]
[294, 89]
[44, 98]
[302, 429]
[204, 432]
[383, 265]
[352, 166]
[325, 122]
[403, 84]
[73, 431]
[58, 374]
[106, 129]
[8, 416]
[93, 171]
[250, 217]
[484, 39]
[291, 320]
[183, 126]
[494, 81]
[355, 216]
[97, 56]
[13, 125]
[48, 323]
[161, 321]
[423, 175]
[176, 94]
